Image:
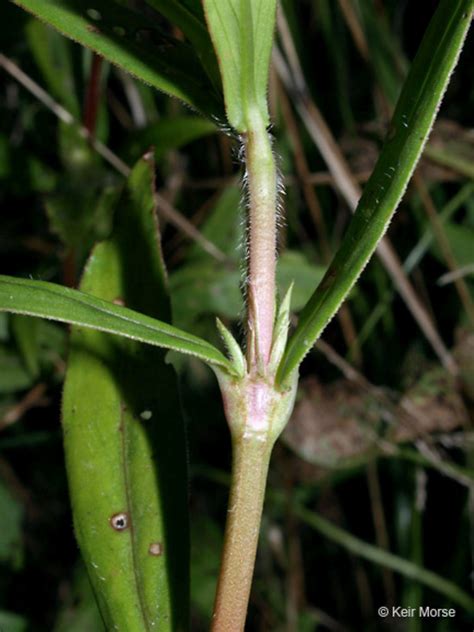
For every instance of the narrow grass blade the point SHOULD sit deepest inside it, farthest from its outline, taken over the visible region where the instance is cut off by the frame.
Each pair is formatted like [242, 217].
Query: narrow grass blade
[48, 300]
[412, 121]
[124, 436]
[132, 42]
[388, 560]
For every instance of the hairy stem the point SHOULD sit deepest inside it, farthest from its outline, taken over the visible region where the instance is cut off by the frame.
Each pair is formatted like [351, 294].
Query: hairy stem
[249, 473]
[262, 187]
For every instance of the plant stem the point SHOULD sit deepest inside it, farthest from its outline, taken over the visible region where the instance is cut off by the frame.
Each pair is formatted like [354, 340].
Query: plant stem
[256, 413]
[262, 187]
[251, 457]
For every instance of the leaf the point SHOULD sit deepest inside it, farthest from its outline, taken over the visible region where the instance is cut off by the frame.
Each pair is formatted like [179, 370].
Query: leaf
[25, 331]
[81, 215]
[194, 29]
[461, 240]
[130, 41]
[169, 133]
[11, 546]
[412, 121]
[124, 436]
[242, 33]
[13, 374]
[11, 622]
[80, 611]
[205, 288]
[52, 53]
[48, 300]
[223, 227]
[294, 267]
[206, 542]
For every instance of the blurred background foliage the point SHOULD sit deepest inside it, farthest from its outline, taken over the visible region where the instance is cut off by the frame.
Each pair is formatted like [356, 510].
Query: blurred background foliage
[377, 464]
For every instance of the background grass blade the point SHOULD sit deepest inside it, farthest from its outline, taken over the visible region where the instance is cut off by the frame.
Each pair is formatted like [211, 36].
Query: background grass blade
[124, 437]
[386, 559]
[134, 43]
[412, 121]
[48, 300]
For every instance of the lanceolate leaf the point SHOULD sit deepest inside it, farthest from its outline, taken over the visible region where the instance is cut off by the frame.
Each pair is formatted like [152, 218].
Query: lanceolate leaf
[134, 43]
[48, 300]
[194, 29]
[242, 33]
[124, 436]
[412, 121]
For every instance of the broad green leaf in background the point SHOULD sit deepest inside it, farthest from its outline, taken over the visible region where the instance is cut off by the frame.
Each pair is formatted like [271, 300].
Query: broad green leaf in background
[124, 436]
[25, 331]
[80, 611]
[412, 121]
[52, 53]
[14, 376]
[48, 300]
[204, 286]
[168, 134]
[81, 215]
[194, 29]
[294, 267]
[11, 541]
[11, 622]
[242, 33]
[134, 43]
[461, 240]
[223, 227]
[206, 543]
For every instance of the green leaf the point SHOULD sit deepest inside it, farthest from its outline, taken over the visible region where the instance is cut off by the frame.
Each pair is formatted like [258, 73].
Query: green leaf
[81, 215]
[294, 267]
[124, 436]
[130, 41]
[48, 300]
[169, 133]
[11, 622]
[195, 31]
[80, 611]
[52, 54]
[233, 348]
[242, 33]
[25, 331]
[14, 376]
[11, 545]
[461, 240]
[223, 227]
[412, 121]
[205, 288]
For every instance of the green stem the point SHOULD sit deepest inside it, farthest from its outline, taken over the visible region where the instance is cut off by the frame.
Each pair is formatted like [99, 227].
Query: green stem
[251, 457]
